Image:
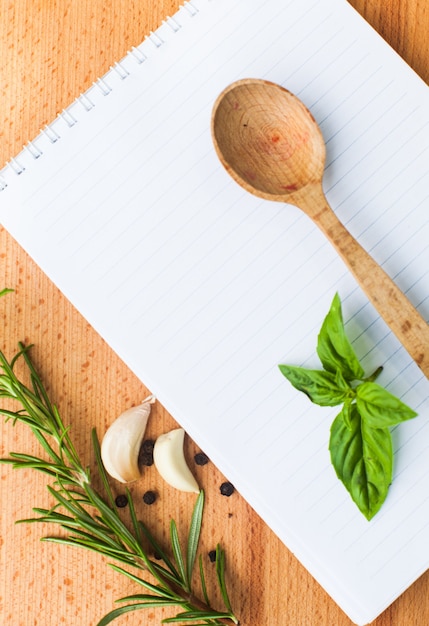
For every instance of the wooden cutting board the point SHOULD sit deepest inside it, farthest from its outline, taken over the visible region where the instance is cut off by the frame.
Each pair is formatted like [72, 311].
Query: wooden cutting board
[51, 51]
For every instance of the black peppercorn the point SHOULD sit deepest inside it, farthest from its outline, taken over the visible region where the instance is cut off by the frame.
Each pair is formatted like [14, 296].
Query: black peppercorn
[121, 501]
[227, 489]
[149, 497]
[212, 555]
[146, 453]
[201, 459]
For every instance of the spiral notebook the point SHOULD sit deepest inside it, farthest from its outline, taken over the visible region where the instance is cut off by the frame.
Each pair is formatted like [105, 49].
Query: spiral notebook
[203, 289]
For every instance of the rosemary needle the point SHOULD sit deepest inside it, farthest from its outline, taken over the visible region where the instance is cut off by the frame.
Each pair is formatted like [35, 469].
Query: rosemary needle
[92, 519]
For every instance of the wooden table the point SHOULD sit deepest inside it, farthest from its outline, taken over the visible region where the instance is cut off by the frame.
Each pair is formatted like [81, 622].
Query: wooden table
[51, 51]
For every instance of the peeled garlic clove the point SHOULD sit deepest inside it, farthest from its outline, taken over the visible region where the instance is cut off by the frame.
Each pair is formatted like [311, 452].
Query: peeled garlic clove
[169, 460]
[121, 443]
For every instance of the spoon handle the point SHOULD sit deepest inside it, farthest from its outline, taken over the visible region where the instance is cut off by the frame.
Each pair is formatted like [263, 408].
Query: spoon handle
[396, 310]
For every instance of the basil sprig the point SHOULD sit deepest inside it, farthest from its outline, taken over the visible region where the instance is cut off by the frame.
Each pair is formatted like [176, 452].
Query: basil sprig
[360, 442]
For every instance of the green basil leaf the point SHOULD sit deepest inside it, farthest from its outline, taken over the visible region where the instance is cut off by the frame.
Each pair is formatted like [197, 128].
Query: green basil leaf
[346, 412]
[362, 458]
[333, 347]
[379, 408]
[323, 388]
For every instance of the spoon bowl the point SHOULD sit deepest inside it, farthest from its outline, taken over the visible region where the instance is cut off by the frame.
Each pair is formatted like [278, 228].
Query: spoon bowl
[267, 139]
[271, 145]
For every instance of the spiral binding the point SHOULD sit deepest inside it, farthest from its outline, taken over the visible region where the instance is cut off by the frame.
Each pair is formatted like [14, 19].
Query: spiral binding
[33, 150]
[173, 24]
[138, 55]
[120, 70]
[86, 101]
[191, 8]
[50, 133]
[69, 119]
[16, 166]
[103, 86]
[155, 39]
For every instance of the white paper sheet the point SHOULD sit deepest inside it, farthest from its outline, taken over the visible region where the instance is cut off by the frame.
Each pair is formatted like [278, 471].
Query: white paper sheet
[203, 289]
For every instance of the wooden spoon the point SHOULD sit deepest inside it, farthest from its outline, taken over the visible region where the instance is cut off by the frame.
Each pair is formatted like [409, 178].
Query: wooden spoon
[271, 145]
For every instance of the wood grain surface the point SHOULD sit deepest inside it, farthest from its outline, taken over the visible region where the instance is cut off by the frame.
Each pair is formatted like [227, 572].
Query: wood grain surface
[51, 51]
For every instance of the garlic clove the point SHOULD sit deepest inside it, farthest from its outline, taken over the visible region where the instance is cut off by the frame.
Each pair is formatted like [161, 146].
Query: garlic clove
[121, 443]
[169, 460]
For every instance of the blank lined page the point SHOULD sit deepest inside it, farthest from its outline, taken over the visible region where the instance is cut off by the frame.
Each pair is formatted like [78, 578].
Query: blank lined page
[203, 289]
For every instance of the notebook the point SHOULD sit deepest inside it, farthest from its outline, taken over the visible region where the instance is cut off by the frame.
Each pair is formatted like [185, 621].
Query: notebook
[203, 289]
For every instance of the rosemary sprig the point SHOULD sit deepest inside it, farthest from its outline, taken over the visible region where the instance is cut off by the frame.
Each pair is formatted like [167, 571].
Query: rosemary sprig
[4, 291]
[91, 519]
